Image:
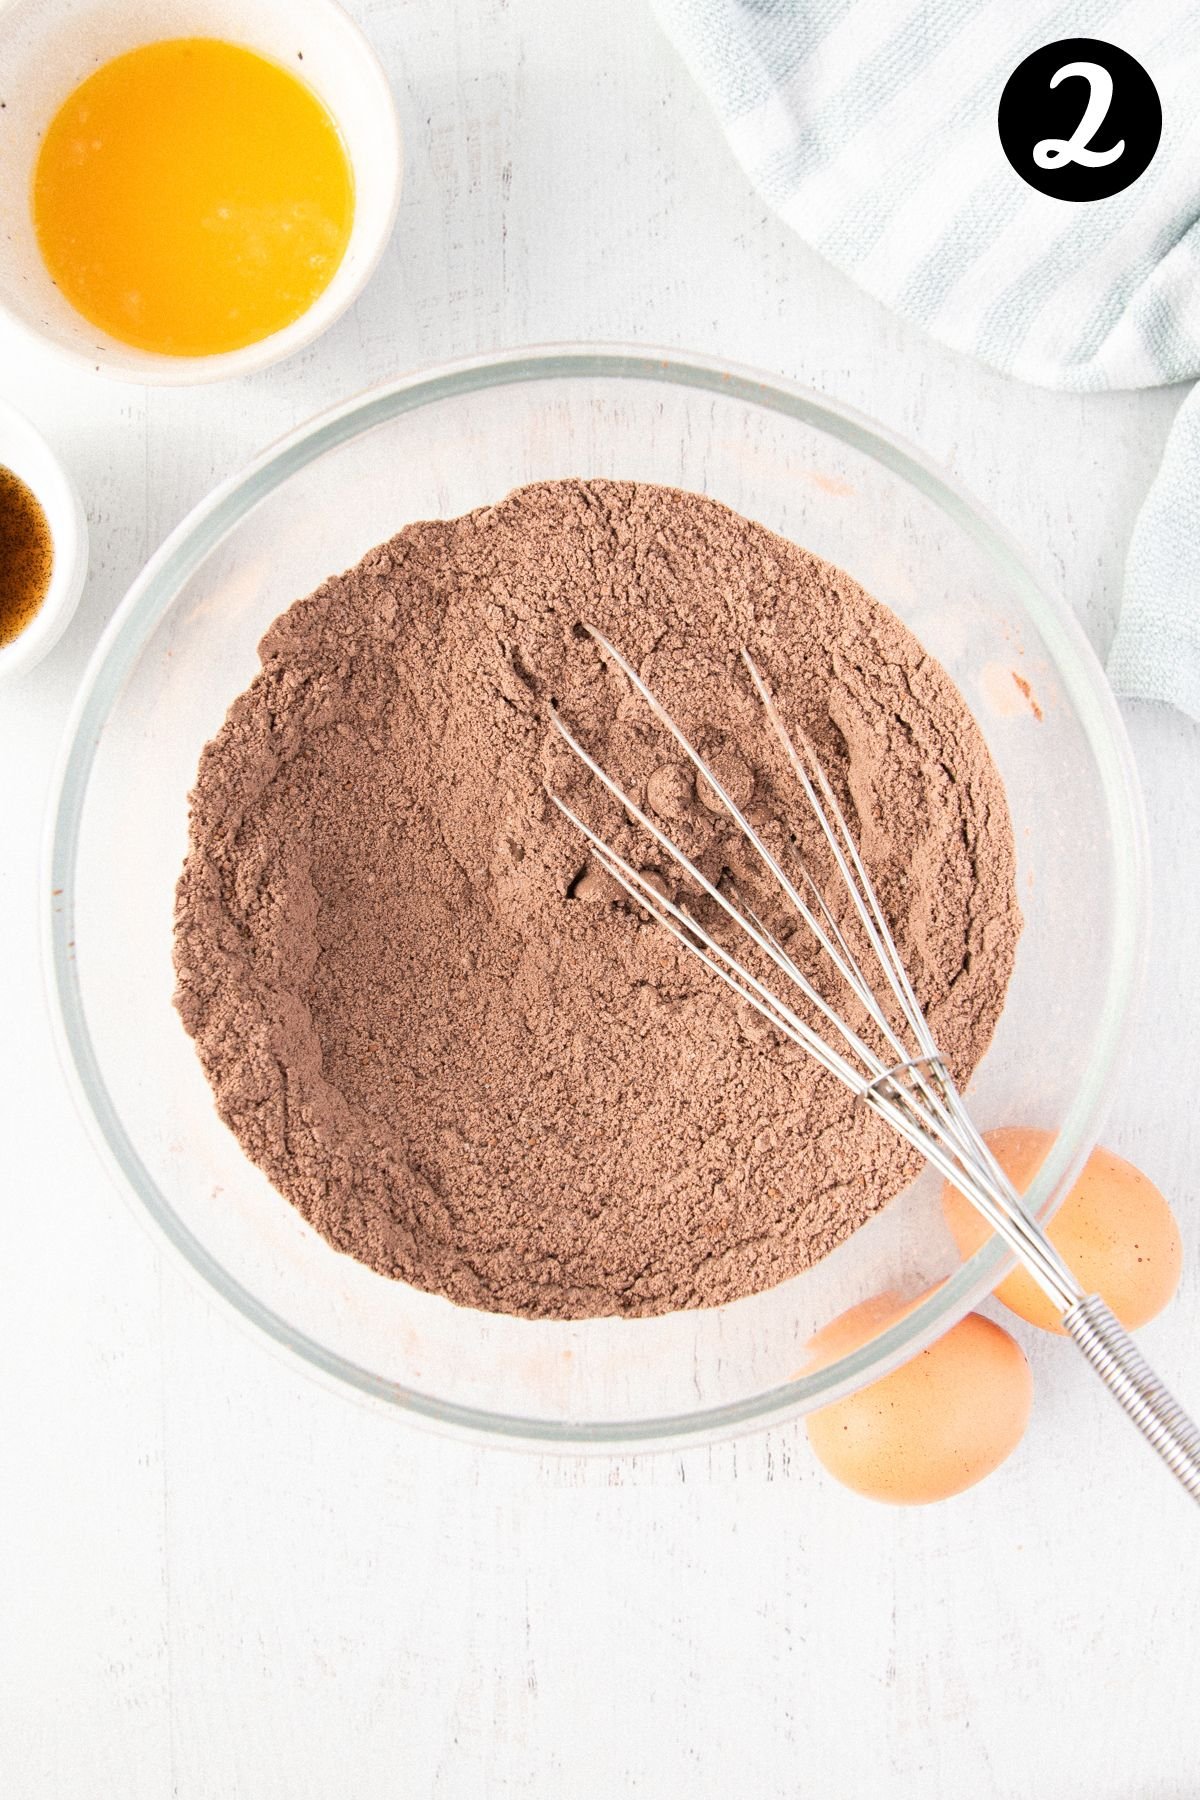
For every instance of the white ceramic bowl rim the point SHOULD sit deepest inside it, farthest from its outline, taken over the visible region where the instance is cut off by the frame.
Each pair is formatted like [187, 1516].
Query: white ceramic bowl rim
[152, 593]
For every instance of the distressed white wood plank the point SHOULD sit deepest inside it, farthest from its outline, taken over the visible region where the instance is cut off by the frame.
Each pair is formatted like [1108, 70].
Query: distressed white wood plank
[226, 1580]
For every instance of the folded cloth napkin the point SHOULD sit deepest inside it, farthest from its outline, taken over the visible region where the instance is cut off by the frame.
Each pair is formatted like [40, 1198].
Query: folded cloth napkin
[870, 126]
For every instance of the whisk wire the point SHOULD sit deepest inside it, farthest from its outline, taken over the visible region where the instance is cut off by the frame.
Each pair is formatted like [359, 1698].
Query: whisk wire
[840, 839]
[829, 816]
[909, 1113]
[845, 966]
[767, 945]
[694, 937]
[901, 1110]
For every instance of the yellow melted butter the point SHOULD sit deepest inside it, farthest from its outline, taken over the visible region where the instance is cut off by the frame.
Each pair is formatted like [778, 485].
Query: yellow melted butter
[192, 196]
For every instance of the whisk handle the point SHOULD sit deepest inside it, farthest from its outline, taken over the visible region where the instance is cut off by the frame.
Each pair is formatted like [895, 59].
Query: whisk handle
[1126, 1373]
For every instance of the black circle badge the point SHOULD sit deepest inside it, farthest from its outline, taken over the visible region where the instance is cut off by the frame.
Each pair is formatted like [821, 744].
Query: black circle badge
[1079, 119]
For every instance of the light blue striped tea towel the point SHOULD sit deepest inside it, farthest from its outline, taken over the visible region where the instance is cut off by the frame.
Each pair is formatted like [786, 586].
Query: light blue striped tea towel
[870, 126]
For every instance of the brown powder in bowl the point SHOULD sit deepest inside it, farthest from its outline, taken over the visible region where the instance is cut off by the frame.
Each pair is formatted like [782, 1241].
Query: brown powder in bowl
[447, 1037]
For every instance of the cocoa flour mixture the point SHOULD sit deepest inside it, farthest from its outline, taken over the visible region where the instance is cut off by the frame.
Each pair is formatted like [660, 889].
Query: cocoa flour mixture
[451, 1041]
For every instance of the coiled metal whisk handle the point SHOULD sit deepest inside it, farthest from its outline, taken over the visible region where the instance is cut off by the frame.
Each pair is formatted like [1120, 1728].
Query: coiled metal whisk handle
[1086, 1318]
[1127, 1375]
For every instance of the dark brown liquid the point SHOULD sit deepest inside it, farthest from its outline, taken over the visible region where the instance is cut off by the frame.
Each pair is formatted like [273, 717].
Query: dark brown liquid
[26, 555]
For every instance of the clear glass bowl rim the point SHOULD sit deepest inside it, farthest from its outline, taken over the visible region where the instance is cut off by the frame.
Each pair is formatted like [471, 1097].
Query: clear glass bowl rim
[154, 590]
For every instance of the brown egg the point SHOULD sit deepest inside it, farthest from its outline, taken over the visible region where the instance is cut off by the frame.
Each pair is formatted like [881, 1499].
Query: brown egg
[934, 1426]
[1114, 1230]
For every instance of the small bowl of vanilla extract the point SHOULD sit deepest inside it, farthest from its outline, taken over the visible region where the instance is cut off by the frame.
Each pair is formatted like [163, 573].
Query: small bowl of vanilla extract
[43, 545]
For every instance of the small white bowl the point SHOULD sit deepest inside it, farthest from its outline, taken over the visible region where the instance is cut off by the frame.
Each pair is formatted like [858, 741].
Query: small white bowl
[47, 47]
[27, 454]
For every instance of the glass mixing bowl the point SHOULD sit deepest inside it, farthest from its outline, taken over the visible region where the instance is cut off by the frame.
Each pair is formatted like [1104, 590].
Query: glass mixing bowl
[182, 645]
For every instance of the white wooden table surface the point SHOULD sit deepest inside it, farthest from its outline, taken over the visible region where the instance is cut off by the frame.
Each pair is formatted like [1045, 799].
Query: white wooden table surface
[219, 1579]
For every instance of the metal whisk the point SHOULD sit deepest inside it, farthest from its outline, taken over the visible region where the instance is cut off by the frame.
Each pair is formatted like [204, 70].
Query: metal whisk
[908, 1084]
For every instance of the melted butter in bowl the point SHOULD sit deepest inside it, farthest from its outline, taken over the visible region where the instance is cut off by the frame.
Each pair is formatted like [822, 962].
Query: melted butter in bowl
[192, 197]
[199, 206]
